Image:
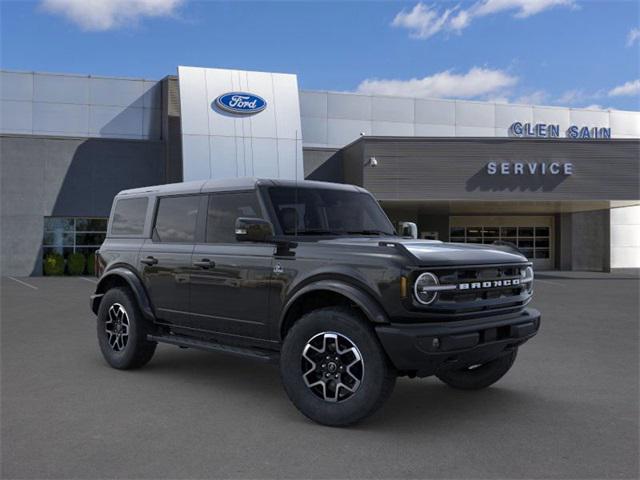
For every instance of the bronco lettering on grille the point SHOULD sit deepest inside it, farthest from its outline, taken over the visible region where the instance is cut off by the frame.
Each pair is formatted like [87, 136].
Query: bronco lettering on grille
[510, 282]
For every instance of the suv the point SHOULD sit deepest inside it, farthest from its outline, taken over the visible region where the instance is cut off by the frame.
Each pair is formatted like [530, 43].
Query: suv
[311, 275]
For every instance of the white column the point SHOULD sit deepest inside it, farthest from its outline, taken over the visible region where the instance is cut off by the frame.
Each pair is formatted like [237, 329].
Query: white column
[625, 237]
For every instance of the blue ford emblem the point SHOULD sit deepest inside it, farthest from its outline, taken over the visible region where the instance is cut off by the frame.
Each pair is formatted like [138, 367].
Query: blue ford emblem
[241, 103]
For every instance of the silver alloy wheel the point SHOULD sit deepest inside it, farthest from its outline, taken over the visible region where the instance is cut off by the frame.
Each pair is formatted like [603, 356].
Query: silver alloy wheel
[332, 366]
[117, 327]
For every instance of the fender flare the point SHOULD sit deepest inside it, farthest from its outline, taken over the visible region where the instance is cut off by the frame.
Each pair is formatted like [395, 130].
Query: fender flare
[134, 283]
[372, 310]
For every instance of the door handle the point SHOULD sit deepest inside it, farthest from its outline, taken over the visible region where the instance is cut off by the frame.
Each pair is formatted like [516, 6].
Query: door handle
[204, 263]
[149, 261]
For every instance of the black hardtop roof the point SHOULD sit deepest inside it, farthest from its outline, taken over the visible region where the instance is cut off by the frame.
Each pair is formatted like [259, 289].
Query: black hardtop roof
[229, 185]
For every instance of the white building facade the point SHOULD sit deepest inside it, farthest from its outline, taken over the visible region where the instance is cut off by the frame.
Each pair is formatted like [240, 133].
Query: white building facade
[74, 141]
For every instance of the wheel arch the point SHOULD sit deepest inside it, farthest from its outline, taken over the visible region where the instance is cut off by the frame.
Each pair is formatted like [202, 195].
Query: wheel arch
[325, 293]
[123, 277]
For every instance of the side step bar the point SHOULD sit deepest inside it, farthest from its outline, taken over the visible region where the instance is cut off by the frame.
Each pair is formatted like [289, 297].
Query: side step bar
[182, 341]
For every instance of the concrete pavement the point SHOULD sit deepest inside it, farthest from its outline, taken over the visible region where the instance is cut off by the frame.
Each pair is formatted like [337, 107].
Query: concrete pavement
[568, 408]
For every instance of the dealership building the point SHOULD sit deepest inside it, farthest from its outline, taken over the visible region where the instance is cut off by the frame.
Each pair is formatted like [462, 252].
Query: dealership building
[560, 183]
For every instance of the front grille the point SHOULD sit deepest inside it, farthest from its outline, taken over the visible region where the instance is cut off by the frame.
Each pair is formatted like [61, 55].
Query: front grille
[483, 290]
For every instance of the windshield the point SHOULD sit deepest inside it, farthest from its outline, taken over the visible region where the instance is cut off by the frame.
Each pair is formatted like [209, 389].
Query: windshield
[323, 211]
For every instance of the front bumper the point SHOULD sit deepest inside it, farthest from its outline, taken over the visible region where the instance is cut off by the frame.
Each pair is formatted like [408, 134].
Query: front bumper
[426, 348]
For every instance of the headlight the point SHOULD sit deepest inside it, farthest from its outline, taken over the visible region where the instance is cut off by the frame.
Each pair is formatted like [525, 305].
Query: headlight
[526, 275]
[426, 288]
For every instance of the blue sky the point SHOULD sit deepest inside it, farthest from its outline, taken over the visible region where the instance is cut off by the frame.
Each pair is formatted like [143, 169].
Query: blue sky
[562, 52]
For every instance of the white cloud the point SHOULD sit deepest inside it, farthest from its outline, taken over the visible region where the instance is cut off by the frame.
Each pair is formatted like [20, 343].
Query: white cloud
[629, 88]
[423, 21]
[538, 97]
[99, 15]
[571, 97]
[633, 36]
[475, 83]
[497, 86]
[524, 8]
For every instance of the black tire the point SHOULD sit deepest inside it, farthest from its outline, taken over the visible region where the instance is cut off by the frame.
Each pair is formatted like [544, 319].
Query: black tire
[481, 376]
[131, 352]
[377, 375]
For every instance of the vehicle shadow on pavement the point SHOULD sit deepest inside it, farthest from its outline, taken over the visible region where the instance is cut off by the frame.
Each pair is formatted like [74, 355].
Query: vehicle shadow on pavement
[220, 371]
[419, 402]
[413, 404]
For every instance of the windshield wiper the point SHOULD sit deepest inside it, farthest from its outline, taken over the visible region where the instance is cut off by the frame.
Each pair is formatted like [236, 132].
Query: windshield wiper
[367, 232]
[319, 232]
[342, 232]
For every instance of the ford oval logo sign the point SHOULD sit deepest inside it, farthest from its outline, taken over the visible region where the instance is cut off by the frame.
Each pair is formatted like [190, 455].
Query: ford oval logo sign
[240, 103]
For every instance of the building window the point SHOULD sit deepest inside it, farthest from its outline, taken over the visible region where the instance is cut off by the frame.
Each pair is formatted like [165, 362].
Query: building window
[65, 235]
[533, 242]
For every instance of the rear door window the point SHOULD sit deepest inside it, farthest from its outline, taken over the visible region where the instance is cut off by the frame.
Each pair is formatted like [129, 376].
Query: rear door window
[129, 215]
[176, 219]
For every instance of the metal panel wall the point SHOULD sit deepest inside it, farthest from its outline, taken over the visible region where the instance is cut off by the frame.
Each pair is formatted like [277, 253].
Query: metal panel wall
[218, 144]
[64, 177]
[335, 119]
[79, 106]
[452, 169]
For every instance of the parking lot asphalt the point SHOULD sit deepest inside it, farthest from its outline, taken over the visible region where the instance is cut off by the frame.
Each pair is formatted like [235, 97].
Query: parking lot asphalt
[567, 409]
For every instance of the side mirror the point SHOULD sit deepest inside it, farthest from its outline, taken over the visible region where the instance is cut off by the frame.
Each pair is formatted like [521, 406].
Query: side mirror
[253, 230]
[408, 229]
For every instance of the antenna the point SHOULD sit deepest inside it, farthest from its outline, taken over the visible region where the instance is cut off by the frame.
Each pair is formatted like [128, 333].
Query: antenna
[296, 168]
[295, 194]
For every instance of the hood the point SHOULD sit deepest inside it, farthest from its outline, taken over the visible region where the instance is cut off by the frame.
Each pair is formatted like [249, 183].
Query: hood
[436, 253]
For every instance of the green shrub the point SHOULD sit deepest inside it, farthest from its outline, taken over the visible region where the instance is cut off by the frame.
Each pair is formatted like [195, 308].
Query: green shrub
[53, 264]
[75, 263]
[91, 264]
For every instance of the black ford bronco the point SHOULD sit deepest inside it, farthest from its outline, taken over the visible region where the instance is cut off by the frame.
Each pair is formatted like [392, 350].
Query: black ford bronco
[311, 275]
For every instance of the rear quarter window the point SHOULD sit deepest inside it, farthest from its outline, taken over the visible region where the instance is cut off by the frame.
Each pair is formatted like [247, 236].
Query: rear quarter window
[176, 219]
[128, 216]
